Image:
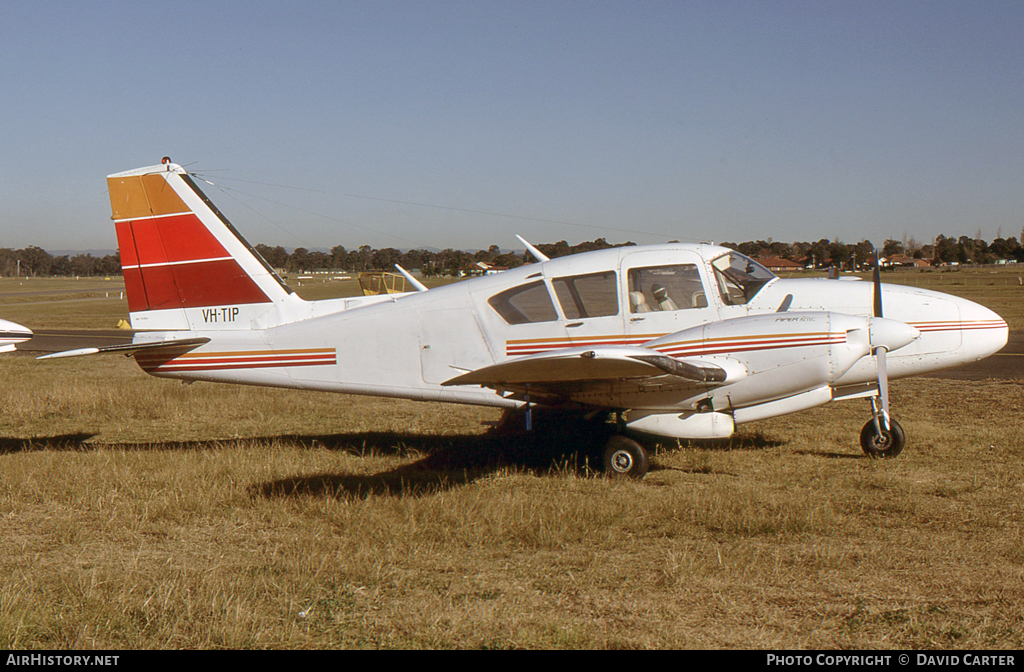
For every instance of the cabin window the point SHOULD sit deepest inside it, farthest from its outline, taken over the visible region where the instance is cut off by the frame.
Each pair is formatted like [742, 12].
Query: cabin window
[591, 295]
[524, 304]
[665, 288]
[739, 278]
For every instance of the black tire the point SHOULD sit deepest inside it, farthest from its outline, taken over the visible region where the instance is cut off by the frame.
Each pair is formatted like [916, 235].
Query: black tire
[884, 446]
[624, 458]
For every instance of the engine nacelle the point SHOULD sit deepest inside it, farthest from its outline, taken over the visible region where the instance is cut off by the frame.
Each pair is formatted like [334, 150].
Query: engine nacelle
[783, 354]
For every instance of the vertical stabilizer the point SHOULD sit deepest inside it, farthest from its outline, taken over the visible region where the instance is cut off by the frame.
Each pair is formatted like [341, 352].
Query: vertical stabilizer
[185, 266]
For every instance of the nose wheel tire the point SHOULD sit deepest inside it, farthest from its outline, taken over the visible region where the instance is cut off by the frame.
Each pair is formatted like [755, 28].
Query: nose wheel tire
[624, 458]
[884, 445]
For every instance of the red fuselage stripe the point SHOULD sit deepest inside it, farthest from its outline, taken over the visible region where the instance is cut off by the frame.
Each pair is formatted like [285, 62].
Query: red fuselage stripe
[218, 361]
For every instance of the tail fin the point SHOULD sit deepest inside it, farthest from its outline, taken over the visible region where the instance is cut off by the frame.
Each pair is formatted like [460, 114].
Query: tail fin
[185, 266]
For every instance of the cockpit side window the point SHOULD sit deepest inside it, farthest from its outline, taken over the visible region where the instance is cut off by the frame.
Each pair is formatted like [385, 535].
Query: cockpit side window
[591, 295]
[739, 278]
[665, 288]
[524, 304]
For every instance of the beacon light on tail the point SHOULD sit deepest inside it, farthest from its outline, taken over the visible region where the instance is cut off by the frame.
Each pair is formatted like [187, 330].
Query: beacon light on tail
[675, 340]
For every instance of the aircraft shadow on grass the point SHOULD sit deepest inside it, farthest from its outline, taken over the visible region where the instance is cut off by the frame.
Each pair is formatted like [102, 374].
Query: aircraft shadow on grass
[832, 455]
[443, 462]
[69, 442]
[439, 462]
[451, 461]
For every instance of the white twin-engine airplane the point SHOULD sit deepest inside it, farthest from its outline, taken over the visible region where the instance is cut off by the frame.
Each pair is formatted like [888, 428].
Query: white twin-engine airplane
[676, 340]
[11, 334]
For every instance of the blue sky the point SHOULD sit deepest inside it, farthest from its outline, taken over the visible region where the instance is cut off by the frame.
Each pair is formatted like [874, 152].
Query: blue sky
[460, 124]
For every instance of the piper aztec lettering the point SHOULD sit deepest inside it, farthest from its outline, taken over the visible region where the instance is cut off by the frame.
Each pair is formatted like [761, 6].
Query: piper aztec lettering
[676, 340]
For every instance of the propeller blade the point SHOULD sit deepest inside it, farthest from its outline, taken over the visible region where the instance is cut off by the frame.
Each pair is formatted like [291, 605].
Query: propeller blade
[878, 288]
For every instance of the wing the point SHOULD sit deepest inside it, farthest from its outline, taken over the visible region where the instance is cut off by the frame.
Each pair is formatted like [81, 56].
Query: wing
[129, 349]
[589, 374]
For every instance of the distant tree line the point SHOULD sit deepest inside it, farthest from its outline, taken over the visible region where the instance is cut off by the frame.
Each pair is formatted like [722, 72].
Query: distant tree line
[824, 253]
[35, 261]
[428, 262]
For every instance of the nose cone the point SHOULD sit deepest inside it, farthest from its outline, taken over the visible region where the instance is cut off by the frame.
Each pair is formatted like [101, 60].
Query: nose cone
[953, 330]
[891, 334]
[984, 333]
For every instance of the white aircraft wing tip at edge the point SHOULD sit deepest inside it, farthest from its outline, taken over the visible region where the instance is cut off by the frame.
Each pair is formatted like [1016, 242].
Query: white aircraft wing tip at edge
[128, 349]
[70, 353]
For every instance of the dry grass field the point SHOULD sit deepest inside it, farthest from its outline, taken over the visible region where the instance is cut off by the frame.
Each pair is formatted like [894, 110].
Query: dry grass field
[142, 513]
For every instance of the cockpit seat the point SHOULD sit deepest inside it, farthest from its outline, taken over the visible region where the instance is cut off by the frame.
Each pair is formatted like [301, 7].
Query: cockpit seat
[638, 303]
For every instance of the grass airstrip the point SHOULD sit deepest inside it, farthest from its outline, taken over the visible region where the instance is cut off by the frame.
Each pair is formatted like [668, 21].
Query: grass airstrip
[142, 513]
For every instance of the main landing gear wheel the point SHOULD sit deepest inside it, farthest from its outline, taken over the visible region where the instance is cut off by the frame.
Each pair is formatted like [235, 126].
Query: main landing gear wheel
[884, 445]
[624, 458]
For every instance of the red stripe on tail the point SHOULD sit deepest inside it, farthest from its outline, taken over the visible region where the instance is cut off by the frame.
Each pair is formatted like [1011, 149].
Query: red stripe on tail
[175, 262]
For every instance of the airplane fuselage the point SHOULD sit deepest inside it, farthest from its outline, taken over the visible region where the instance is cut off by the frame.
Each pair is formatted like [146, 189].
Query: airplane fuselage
[408, 345]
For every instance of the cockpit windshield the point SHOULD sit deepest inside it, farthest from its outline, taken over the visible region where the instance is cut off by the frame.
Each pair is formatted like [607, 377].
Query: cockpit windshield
[739, 278]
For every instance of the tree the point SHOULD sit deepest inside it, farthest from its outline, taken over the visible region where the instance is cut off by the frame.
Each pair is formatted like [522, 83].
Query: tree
[317, 260]
[965, 250]
[109, 265]
[1005, 248]
[412, 259]
[508, 260]
[838, 254]
[450, 262]
[817, 251]
[361, 259]
[34, 261]
[84, 264]
[298, 260]
[891, 248]
[339, 257]
[946, 249]
[61, 266]
[385, 260]
[277, 257]
[552, 250]
[863, 252]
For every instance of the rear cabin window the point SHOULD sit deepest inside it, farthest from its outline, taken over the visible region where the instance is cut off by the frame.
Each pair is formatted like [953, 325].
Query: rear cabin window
[524, 304]
[591, 295]
[665, 288]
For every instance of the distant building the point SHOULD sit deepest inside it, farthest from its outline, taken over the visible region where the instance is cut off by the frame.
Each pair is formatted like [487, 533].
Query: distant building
[780, 265]
[904, 261]
[483, 268]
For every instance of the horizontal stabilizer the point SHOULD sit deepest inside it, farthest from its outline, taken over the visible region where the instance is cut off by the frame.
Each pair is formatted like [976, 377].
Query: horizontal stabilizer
[589, 364]
[128, 349]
